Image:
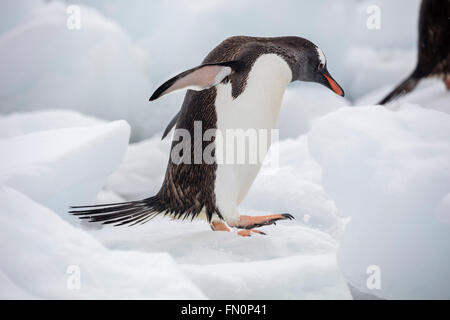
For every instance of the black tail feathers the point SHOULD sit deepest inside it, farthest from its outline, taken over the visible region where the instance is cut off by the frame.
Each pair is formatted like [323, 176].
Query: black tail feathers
[124, 213]
[403, 88]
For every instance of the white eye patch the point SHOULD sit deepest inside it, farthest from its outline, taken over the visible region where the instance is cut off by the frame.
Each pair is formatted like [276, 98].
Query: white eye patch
[322, 58]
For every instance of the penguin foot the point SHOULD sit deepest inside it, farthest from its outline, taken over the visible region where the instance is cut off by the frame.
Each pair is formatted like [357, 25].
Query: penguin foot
[447, 81]
[219, 226]
[249, 222]
[248, 232]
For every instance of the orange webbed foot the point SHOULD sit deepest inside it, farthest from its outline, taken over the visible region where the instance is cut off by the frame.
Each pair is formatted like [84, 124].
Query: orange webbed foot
[248, 232]
[250, 222]
[219, 226]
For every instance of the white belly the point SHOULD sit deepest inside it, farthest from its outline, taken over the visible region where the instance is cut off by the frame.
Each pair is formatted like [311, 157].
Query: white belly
[256, 108]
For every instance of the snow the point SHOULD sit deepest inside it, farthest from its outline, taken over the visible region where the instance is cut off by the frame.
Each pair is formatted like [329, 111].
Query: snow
[96, 70]
[43, 247]
[46, 171]
[430, 93]
[384, 56]
[305, 103]
[111, 65]
[390, 172]
[42, 173]
[308, 247]
[302, 193]
[16, 124]
[376, 68]
[142, 170]
[368, 185]
[396, 30]
[238, 267]
[50, 166]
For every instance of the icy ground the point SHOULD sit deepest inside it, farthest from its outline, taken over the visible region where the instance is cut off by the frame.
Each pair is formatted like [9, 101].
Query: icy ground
[368, 185]
[389, 170]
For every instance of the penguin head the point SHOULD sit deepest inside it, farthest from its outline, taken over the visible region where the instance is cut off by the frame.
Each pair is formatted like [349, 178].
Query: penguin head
[310, 65]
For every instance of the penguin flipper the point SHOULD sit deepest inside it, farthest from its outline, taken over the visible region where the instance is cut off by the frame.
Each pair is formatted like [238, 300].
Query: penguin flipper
[199, 78]
[403, 88]
[171, 124]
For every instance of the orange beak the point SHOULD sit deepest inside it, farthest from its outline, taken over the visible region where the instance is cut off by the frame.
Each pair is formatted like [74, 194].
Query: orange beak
[333, 85]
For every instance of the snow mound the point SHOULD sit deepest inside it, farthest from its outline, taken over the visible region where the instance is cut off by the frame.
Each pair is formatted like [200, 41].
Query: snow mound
[294, 187]
[295, 277]
[59, 168]
[390, 172]
[384, 56]
[95, 69]
[142, 170]
[302, 260]
[300, 254]
[40, 252]
[19, 123]
[430, 93]
[15, 12]
[302, 105]
[370, 68]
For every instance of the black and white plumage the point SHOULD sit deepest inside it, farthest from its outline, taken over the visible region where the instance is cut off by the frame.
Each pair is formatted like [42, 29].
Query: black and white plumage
[433, 58]
[240, 84]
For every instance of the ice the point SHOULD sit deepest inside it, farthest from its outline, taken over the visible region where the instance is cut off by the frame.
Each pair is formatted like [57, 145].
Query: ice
[384, 56]
[110, 67]
[39, 249]
[96, 69]
[16, 12]
[121, 54]
[301, 261]
[369, 69]
[430, 93]
[54, 169]
[443, 209]
[398, 24]
[142, 171]
[368, 185]
[294, 277]
[16, 124]
[49, 168]
[167, 30]
[59, 168]
[303, 104]
[295, 187]
[10, 290]
[390, 172]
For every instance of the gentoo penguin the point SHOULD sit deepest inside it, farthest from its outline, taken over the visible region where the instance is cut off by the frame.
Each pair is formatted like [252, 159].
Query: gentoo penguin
[434, 47]
[239, 85]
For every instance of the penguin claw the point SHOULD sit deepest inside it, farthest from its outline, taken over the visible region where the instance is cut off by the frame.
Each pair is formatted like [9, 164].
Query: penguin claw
[288, 216]
[248, 232]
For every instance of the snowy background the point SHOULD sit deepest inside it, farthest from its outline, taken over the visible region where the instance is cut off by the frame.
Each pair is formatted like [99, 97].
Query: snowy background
[368, 185]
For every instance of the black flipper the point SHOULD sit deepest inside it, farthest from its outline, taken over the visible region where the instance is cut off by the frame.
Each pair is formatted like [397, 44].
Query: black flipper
[171, 124]
[125, 213]
[403, 88]
[199, 78]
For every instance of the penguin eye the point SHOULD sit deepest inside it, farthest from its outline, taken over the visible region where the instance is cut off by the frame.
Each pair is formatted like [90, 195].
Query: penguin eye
[321, 65]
